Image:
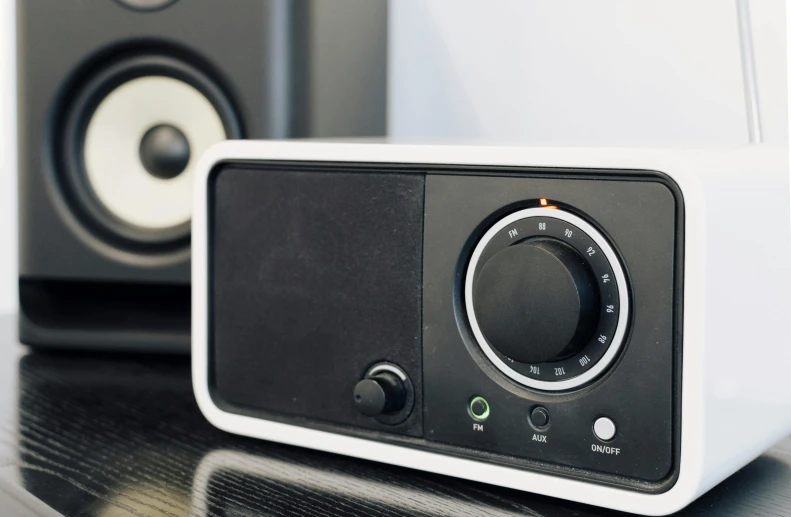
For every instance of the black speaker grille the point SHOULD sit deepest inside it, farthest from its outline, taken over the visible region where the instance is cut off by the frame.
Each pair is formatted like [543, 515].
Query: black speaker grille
[314, 277]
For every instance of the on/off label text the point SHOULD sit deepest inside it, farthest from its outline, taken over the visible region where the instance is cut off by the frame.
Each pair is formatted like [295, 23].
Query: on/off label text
[605, 449]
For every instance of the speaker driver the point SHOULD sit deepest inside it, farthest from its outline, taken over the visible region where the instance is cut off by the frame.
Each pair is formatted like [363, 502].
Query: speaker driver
[132, 139]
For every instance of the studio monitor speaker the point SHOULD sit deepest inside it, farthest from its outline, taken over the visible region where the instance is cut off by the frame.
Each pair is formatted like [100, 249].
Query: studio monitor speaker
[117, 100]
[602, 325]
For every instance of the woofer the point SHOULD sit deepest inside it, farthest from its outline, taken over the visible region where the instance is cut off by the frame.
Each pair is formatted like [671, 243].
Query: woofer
[122, 121]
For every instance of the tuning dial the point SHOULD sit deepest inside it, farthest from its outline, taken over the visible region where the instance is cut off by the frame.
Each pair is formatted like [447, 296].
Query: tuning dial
[537, 301]
[546, 299]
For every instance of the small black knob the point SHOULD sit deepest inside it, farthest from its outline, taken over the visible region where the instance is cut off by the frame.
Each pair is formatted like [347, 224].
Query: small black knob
[164, 151]
[536, 301]
[380, 394]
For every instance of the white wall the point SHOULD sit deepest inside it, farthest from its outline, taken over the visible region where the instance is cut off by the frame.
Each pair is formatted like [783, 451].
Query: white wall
[604, 72]
[8, 247]
[769, 47]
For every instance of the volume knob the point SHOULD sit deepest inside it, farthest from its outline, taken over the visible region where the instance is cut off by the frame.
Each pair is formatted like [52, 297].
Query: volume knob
[380, 394]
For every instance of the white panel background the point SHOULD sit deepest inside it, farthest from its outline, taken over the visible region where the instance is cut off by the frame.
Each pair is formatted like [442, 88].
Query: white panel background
[604, 72]
[8, 246]
[769, 45]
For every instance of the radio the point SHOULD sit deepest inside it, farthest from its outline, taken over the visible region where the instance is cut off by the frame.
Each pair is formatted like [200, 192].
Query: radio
[605, 326]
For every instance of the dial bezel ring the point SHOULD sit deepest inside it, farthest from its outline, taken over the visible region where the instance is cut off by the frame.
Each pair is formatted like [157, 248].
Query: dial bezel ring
[618, 339]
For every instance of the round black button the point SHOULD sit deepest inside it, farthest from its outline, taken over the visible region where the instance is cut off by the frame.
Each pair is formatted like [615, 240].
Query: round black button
[539, 417]
[536, 301]
[380, 394]
[164, 151]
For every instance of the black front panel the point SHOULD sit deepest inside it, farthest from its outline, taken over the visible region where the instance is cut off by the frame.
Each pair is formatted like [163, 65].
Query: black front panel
[637, 394]
[317, 277]
[317, 273]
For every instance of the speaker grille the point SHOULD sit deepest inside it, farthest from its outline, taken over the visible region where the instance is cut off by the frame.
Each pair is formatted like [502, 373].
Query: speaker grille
[316, 276]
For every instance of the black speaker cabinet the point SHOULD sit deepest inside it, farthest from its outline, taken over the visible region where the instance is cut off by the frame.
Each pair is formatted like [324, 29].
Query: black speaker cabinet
[117, 100]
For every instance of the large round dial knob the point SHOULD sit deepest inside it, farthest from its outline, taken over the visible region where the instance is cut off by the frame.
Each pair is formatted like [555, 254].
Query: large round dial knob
[546, 298]
[537, 301]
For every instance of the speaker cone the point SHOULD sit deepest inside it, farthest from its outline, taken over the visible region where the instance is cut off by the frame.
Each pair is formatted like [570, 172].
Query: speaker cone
[130, 143]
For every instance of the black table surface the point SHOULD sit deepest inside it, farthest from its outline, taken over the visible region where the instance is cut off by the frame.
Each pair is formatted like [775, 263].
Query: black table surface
[111, 436]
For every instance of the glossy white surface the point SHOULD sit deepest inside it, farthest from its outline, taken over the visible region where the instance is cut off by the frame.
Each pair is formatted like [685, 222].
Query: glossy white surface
[8, 199]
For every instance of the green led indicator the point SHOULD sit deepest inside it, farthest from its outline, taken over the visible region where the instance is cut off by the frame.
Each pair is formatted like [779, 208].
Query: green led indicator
[478, 408]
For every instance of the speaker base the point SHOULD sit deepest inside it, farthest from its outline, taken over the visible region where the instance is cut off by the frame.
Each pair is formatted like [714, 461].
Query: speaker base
[117, 317]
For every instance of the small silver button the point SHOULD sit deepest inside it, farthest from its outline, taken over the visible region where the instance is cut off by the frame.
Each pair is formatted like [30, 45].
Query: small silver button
[604, 428]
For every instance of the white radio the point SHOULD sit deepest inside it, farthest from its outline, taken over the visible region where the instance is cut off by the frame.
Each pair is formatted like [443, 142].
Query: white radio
[589, 324]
